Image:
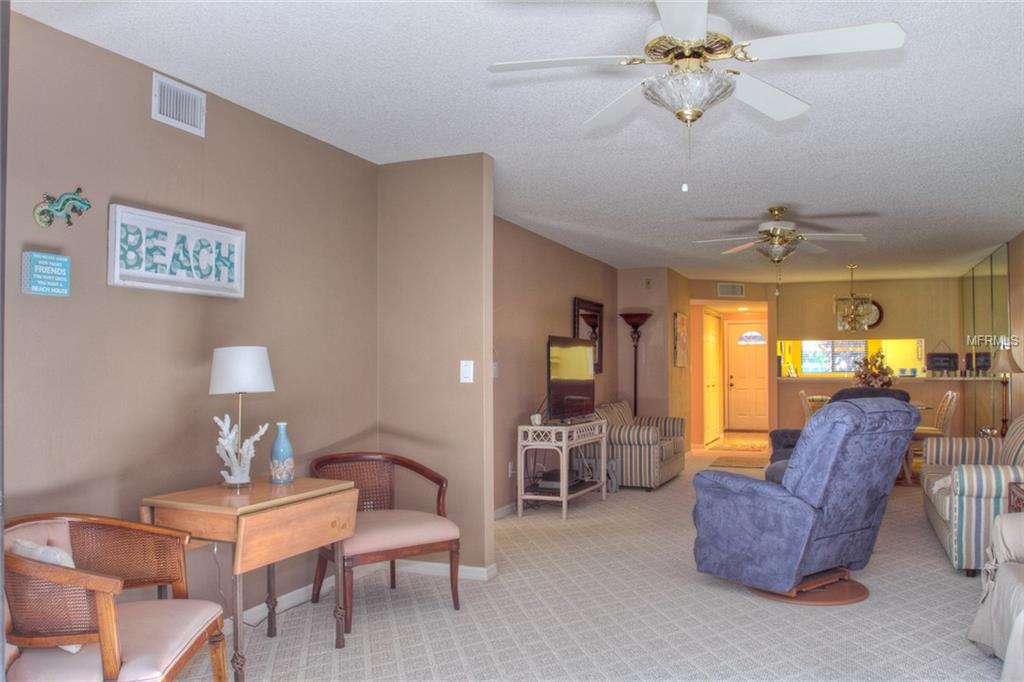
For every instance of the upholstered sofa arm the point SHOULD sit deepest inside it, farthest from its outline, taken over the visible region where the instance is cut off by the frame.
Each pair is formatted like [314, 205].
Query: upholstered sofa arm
[960, 450]
[633, 435]
[984, 480]
[669, 427]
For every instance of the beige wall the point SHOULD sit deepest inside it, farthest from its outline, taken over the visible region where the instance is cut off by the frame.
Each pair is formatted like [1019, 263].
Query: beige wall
[645, 290]
[535, 281]
[435, 287]
[914, 308]
[1016, 264]
[678, 301]
[107, 390]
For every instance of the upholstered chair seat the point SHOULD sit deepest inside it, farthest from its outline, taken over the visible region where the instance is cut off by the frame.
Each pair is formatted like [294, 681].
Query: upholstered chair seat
[154, 635]
[50, 604]
[384, 533]
[381, 530]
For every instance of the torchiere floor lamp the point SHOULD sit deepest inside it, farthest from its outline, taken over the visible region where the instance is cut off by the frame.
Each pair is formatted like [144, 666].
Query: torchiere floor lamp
[635, 320]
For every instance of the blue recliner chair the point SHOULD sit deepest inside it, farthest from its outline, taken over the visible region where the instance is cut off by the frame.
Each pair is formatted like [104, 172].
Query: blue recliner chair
[826, 512]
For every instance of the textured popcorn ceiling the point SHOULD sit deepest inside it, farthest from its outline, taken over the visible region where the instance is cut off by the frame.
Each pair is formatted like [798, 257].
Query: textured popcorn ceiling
[929, 137]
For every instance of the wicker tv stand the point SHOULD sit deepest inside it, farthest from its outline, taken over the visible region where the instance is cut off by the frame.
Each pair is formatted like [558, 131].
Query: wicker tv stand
[561, 439]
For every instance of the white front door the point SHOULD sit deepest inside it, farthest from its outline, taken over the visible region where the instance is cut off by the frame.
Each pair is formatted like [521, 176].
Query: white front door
[746, 362]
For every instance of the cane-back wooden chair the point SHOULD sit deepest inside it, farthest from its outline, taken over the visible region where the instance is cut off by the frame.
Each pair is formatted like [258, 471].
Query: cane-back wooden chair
[50, 605]
[384, 533]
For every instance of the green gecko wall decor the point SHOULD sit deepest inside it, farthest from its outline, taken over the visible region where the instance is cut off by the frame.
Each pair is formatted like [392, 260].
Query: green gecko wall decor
[51, 207]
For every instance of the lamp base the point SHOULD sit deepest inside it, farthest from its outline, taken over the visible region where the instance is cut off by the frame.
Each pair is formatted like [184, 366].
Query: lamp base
[236, 486]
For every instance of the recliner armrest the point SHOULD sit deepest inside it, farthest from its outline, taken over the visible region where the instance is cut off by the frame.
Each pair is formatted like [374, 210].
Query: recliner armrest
[784, 438]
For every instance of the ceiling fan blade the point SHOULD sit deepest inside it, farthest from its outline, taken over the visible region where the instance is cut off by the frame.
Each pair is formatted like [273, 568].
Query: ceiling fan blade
[849, 214]
[684, 19]
[741, 247]
[531, 64]
[619, 108]
[887, 35]
[837, 237]
[768, 99]
[721, 239]
[810, 247]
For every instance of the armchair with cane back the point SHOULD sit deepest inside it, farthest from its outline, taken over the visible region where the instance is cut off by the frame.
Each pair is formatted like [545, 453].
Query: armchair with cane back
[50, 605]
[384, 533]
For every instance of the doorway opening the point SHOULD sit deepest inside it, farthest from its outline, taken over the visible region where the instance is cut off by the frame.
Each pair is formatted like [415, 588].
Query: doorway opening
[730, 400]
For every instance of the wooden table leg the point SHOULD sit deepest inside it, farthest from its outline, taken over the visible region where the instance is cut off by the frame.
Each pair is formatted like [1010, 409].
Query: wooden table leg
[339, 604]
[238, 636]
[271, 601]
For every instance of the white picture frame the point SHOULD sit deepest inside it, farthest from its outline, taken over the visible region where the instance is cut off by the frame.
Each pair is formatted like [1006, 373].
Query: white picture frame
[149, 250]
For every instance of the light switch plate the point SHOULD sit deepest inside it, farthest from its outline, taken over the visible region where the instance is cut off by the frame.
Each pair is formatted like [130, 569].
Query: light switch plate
[465, 371]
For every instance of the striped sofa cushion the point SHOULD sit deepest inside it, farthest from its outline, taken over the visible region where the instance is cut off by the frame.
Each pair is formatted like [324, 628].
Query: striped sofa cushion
[616, 414]
[1012, 452]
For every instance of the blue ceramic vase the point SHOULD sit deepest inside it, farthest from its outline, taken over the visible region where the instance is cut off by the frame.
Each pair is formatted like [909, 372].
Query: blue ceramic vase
[282, 457]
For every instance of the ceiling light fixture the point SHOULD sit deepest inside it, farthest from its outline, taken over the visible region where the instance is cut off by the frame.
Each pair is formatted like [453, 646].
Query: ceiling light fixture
[853, 313]
[689, 89]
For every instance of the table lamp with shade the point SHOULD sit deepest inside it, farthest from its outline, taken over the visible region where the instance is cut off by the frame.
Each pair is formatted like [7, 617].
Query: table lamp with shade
[1004, 366]
[241, 370]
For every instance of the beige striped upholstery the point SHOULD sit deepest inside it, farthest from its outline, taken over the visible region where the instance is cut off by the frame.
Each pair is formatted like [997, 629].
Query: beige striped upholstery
[981, 470]
[649, 450]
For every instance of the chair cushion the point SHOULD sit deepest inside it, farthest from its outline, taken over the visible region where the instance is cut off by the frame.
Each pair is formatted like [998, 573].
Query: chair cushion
[616, 414]
[922, 432]
[154, 635]
[776, 470]
[384, 529]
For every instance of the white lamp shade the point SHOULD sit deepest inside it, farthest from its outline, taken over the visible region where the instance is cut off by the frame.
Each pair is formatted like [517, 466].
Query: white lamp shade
[241, 369]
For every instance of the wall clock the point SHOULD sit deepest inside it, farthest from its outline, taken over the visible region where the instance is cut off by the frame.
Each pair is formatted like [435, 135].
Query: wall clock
[875, 316]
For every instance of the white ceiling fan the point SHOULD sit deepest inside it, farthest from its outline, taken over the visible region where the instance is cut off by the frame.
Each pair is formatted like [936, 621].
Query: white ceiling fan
[777, 238]
[688, 38]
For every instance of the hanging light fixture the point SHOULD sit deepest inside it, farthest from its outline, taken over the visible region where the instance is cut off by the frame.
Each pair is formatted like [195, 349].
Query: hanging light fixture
[853, 313]
[689, 89]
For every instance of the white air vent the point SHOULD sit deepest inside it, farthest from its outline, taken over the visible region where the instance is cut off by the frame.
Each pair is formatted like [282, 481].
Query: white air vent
[178, 105]
[732, 289]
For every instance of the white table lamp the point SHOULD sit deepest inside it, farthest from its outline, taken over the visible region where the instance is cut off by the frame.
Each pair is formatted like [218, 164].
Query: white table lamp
[240, 370]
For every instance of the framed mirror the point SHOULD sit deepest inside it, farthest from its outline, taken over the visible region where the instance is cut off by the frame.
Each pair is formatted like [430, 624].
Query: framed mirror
[588, 323]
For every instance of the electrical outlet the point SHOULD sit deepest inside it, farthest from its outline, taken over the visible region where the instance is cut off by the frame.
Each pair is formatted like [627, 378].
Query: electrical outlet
[511, 469]
[648, 284]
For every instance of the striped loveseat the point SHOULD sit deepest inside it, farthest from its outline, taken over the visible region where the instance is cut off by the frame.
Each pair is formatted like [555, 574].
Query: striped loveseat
[649, 450]
[965, 488]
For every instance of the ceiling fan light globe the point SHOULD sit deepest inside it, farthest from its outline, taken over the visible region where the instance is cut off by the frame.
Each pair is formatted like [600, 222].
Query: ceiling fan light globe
[690, 93]
[776, 252]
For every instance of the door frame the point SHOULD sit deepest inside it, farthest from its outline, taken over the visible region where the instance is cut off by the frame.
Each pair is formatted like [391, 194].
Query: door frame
[726, 426]
[705, 314]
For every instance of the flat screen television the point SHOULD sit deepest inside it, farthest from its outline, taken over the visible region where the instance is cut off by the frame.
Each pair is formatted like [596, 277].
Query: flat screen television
[570, 377]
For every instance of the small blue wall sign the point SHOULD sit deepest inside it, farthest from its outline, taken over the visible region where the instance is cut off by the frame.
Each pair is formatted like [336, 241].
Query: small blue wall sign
[45, 274]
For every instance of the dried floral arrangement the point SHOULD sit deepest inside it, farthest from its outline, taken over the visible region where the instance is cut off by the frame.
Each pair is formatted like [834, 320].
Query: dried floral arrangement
[872, 371]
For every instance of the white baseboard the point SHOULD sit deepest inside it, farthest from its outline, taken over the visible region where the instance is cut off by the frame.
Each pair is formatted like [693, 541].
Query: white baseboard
[255, 615]
[502, 512]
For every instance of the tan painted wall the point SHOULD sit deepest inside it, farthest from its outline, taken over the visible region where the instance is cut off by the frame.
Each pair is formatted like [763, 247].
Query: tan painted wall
[535, 280]
[435, 286]
[107, 390]
[1016, 264]
[914, 308]
[653, 350]
[678, 301]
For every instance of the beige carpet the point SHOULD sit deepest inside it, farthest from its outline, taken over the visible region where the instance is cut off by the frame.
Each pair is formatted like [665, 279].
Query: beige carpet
[612, 594]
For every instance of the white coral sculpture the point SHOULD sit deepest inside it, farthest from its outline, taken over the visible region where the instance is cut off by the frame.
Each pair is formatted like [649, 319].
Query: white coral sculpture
[237, 460]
